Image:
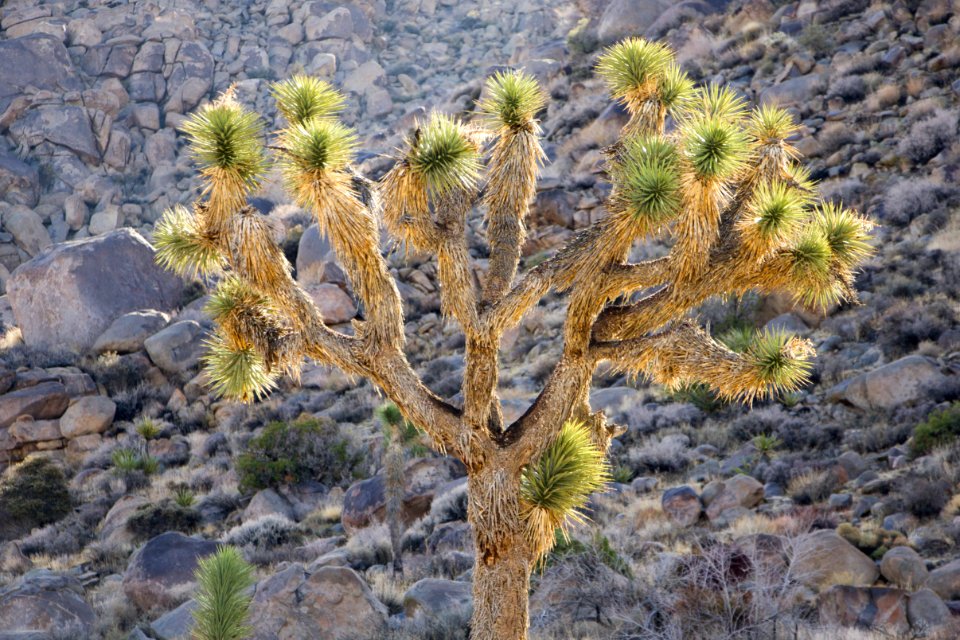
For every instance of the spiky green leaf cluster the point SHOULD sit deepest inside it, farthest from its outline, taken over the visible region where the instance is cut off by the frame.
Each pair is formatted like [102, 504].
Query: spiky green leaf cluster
[716, 148]
[302, 98]
[846, 234]
[389, 414]
[633, 65]
[777, 209]
[223, 600]
[720, 102]
[318, 144]
[513, 98]
[811, 261]
[648, 179]
[237, 373]
[676, 89]
[231, 295]
[771, 123]
[223, 135]
[444, 155]
[738, 339]
[782, 361]
[182, 247]
[569, 470]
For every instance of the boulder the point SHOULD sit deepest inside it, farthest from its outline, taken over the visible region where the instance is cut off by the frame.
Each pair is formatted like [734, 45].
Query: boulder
[624, 18]
[42, 401]
[334, 304]
[27, 429]
[329, 603]
[178, 347]
[903, 567]
[311, 256]
[435, 598]
[268, 503]
[113, 528]
[39, 61]
[27, 229]
[945, 581]
[335, 24]
[927, 612]
[19, 182]
[90, 414]
[176, 624]
[739, 491]
[191, 77]
[71, 294]
[878, 608]
[63, 126]
[823, 558]
[682, 504]
[43, 601]
[364, 502]
[127, 333]
[893, 385]
[793, 91]
[161, 572]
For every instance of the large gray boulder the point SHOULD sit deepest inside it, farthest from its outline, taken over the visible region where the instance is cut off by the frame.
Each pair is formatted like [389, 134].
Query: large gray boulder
[39, 61]
[899, 383]
[625, 18]
[178, 347]
[44, 602]
[329, 603]
[823, 558]
[161, 573]
[435, 598]
[68, 296]
[19, 182]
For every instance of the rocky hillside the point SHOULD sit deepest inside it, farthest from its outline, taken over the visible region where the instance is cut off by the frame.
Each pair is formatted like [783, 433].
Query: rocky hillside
[815, 514]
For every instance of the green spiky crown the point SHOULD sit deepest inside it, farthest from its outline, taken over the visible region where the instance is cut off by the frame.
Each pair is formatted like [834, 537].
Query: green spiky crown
[648, 179]
[512, 99]
[302, 98]
[633, 68]
[225, 136]
[318, 144]
[782, 361]
[444, 155]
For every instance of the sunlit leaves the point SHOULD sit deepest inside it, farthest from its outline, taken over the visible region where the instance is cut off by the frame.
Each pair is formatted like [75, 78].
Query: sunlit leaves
[444, 155]
[302, 98]
[513, 98]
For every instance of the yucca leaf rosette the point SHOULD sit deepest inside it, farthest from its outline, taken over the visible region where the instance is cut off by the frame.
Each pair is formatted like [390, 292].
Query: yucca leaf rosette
[647, 181]
[444, 155]
[633, 68]
[302, 98]
[184, 245]
[554, 490]
[512, 99]
[237, 372]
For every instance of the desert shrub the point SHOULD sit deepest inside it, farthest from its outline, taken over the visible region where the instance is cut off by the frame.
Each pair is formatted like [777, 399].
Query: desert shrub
[451, 505]
[291, 452]
[700, 395]
[909, 198]
[815, 38]
[669, 454]
[22, 355]
[267, 532]
[132, 400]
[107, 558]
[902, 327]
[369, 546]
[127, 460]
[151, 520]
[34, 494]
[928, 137]
[812, 486]
[878, 437]
[850, 88]
[835, 135]
[938, 430]
[925, 498]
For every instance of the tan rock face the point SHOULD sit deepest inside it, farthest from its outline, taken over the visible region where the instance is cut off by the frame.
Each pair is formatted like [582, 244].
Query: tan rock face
[823, 558]
[904, 567]
[44, 601]
[874, 607]
[45, 400]
[88, 415]
[683, 505]
[893, 385]
[738, 491]
[332, 602]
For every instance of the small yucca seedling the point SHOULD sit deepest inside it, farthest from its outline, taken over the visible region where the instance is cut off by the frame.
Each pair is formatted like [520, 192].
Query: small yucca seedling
[148, 429]
[183, 496]
[555, 489]
[223, 602]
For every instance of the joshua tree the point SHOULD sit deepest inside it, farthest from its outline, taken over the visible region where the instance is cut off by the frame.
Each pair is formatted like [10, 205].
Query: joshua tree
[223, 604]
[722, 183]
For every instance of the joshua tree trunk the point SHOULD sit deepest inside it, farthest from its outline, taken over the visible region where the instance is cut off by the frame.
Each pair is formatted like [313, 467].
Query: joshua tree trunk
[501, 571]
[723, 183]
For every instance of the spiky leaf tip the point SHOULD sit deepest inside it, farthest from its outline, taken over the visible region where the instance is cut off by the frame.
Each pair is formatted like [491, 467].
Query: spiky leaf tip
[648, 179]
[443, 153]
[389, 414]
[318, 144]
[715, 148]
[513, 98]
[811, 269]
[676, 89]
[847, 234]
[631, 68]
[720, 102]
[223, 598]
[225, 136]
[237, 372]
[183, 247]
[302, 98]
[782, 361]
[777, 209]
[233, 295]
[568, 471]
[769, 123]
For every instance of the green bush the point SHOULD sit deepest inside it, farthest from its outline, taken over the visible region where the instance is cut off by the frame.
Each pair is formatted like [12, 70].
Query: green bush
[151, 520]
[35, 494]
[940, 429]
[291, 452]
